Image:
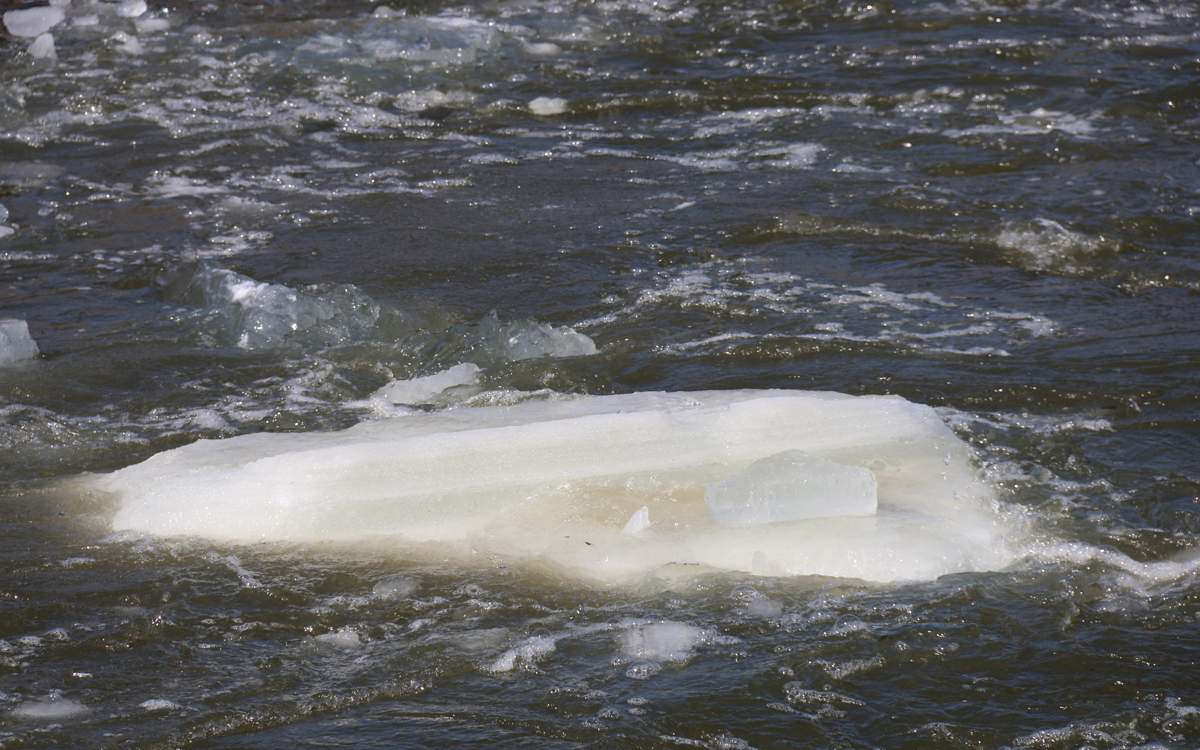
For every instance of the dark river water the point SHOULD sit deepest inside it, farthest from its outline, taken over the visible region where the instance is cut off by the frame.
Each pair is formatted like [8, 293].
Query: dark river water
[229, 218]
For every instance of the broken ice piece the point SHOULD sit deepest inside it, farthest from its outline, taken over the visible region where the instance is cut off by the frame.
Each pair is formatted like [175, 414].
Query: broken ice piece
[15, 342]
[32, 22]
[791, 486]
[638, 522]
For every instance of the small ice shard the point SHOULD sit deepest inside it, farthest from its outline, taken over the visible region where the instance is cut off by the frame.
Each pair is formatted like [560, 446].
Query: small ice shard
[394, 587]
[545, 106]
[531, 340]
[543, 49]
[6, 231]
[152, 25]
[638, 522]
[53, 708]
[3, 213]
[664, 641]
[131, 8]
[127, 43]
[159, 704]
[90, 19]
[43, 47]
[791, 486]
[426, 389]
[16, 344]
[346, 639]
[32, 22]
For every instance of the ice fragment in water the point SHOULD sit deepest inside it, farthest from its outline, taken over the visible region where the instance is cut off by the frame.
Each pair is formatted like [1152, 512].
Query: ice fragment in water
[131, 8]
[43, 47]
[791, 486]
[638, 522]
[32, 22]
[538, 479]
[544, 106]
[663, 641]
[16, 344]
[394, 587]
[530, 340]
[426, 389]
[52, 708]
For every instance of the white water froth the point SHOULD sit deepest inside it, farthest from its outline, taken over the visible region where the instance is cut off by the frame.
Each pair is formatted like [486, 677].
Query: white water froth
[557, 480]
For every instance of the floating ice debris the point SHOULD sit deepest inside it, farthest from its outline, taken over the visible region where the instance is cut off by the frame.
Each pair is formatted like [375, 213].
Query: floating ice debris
[32, 22]
[346, 638]
[638, 522]
[664, 641]
[52, 708]
[530, 340]
[159, 704]
[131, 8]
[394, 587]
[426, 389]
[257, 314]
[1045, 245]
[43, 47]
[16, 345]
[791, 486]
[5, 231]
[543, 49]
[545, 106]
[527, 652]
[541, 478]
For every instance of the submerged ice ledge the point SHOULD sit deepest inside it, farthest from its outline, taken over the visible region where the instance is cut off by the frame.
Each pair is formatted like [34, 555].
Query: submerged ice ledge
[768, 482]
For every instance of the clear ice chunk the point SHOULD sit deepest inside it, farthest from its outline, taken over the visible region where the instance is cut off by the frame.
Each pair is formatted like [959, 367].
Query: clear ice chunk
[792, 486]
[16, 345]
[32, 22]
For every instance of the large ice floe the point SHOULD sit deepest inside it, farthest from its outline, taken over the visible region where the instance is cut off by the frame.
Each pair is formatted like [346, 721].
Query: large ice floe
[768, 482]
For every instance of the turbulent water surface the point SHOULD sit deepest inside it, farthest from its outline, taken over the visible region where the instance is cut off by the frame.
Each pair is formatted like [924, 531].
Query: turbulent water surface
[234, 218]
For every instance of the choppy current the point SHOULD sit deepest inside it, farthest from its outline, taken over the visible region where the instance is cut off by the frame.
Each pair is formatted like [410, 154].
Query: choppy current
[227, 218]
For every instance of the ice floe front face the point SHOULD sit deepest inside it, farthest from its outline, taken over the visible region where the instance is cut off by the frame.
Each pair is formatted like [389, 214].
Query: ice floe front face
[769, 482]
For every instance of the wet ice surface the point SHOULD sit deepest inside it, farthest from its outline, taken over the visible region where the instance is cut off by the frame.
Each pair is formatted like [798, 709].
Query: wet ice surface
[230, 219]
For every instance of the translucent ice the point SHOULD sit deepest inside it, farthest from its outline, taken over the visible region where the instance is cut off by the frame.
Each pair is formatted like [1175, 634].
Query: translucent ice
[16, 344]
[53, 708]
[791, 486]
[556, 480]
[426, 389]
[544, 106]
[32, 22]
[131, 8]
[663, 641]
[258, 314]
[43, 47]
[638, 522]
[530, 340]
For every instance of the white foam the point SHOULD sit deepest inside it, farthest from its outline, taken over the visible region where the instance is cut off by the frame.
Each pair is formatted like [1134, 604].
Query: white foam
[557, 479]
[16, 345]
[545, 106]
[32, 22]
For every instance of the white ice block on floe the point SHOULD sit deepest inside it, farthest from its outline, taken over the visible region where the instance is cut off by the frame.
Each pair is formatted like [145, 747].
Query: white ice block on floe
[557, 480]
[16, 345]
[791, 486]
